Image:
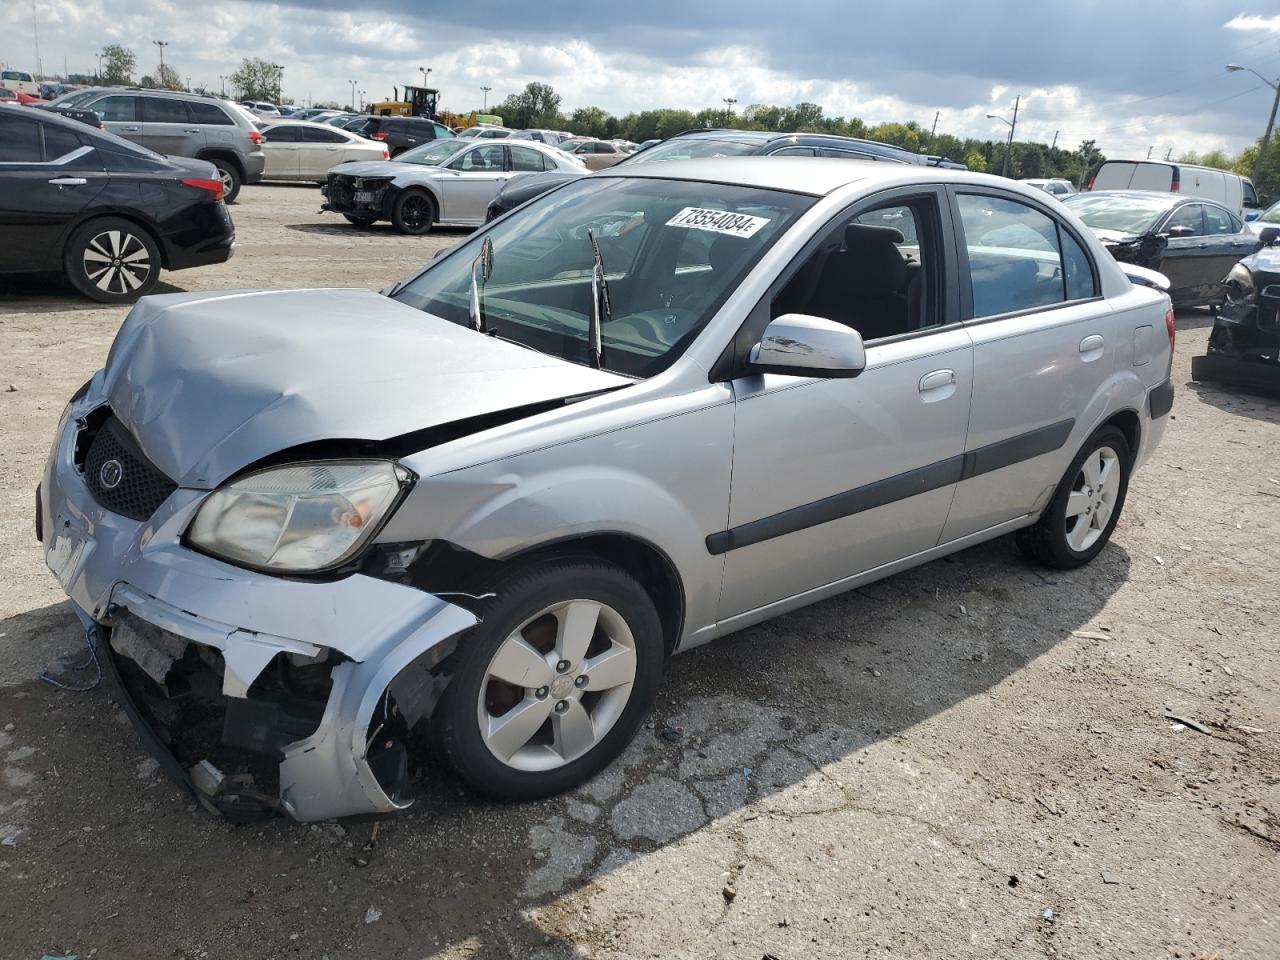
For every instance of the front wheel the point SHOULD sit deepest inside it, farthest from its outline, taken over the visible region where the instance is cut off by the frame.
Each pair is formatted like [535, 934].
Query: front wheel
[414, 213]
[112, 261]
[554, 681]
[1086, 506]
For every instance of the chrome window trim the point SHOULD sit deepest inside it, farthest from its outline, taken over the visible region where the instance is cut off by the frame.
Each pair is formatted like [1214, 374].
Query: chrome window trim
[61, 161]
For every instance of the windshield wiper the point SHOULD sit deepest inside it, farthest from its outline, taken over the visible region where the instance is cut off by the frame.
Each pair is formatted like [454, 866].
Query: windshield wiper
[601, 309]
[482, 263]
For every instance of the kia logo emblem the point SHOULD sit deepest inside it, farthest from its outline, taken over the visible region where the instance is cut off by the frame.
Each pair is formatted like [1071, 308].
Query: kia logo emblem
[111, 474]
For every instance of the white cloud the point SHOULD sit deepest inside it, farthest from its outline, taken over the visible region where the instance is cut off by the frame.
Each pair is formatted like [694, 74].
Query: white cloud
[1252, 21]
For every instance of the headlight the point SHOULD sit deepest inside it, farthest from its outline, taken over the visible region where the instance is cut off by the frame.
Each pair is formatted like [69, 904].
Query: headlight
[302, 517]
[1240, 284]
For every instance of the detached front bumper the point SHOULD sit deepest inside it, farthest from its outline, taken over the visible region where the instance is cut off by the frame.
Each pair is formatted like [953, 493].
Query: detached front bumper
[381, 638]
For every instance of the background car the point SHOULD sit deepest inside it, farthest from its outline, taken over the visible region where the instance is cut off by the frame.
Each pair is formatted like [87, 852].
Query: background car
[83, 116]
[519, 189]
[400, 133]
[339, 119]
[1055, 187]
[485, 131]
[104, 212]
[550, 137]
[447, 182]
[1231, 190]
[267, 111]
[1193, 242]
[1244, 345]
[179, 124]
[19, 81]
[1268, 218]
[304, 150]
[8, 96]
[596, 154]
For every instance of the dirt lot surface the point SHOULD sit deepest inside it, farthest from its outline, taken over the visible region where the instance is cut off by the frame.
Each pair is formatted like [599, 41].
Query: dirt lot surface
[969, 760]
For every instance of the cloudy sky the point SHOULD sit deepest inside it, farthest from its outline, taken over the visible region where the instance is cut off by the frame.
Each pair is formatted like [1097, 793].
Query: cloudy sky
[1131, 74]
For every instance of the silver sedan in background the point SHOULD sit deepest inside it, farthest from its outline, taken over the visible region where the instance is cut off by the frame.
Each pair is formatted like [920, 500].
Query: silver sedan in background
[647, 409]
[445, 182]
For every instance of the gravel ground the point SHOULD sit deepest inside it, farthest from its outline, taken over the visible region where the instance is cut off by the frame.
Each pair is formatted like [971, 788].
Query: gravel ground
[969, 760]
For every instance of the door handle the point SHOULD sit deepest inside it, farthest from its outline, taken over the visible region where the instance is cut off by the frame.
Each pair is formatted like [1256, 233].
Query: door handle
[69, 181]
[1091, 346]
[937, 380]
[130, 129]
[196, 130]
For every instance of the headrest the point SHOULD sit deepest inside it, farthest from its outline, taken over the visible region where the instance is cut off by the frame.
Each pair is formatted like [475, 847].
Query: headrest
[862, 235]
[872, 262]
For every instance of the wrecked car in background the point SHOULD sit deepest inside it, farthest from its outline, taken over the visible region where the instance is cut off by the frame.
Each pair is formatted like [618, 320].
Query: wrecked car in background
[1244, 346]
[310, 532]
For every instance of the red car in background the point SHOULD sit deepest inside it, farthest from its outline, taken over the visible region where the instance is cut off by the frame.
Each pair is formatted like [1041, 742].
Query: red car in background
[17, 96]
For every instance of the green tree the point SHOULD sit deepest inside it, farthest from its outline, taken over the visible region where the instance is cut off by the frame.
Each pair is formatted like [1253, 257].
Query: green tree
[118, 64]
[257, 79]
[537, 105]
[905, 135]
[976, 162]
[590, 122]
[167, 78]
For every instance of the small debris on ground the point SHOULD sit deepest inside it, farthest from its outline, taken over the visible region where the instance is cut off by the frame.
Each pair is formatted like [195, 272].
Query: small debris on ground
[729, 892]
[372, 915]
[1193, 724]
[1110, 878]
[1089, 635]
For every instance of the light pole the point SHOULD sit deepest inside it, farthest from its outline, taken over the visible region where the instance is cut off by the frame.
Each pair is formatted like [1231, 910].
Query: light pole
[485, 108]
[279, 78]
[424, 71]
[353, 95]
[729, 102]
[1271, 121]
[362, 93]
[161, 44]
[99, 56]
[223, 80]
[1013, 125]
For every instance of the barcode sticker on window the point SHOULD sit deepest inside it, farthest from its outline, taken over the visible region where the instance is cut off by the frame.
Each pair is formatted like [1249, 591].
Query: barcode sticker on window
[718, 221]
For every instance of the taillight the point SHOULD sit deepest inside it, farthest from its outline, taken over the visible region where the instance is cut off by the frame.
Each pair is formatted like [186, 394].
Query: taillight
[256, 137]
[213, 186]
[386, 154]
[377, 136]
[1177, 182]
[1169, 325]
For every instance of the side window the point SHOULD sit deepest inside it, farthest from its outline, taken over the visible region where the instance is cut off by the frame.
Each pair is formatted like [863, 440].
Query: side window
[522, 158]
[442, 132]
[1014, 259]
[59, 142]
[160, 110]
[116, 108]
[1188, 217]
[282, 134]
[19, 140]
[208, 113]
[793, 152]
[321, 135]
[397, 126]
[880, 273]
[1217, 220]
[1250, 196]
[1077, 271]
[481, 158]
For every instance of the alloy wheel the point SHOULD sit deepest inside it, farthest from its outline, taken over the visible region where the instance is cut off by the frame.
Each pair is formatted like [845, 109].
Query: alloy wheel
[1093, 498]
[556, 685]
[414, 213]
[228, 181]
[116, 261]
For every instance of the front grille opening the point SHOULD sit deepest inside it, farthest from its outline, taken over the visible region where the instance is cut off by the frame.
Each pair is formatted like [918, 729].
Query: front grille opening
[118, 473]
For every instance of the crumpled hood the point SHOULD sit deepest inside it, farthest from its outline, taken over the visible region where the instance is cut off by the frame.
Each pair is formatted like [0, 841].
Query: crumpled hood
[210, 383]
[382, 168]
[1113, 236]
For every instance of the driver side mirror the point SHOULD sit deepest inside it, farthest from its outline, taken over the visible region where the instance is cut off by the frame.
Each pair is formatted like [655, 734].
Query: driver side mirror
[1269, 236]
[802, 346]
[1180, 231]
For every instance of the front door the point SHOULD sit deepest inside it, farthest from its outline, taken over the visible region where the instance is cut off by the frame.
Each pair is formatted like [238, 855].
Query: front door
[281, 144]
[475, 176]
[1188, 257]
[1044, 343]
[121, 114]
[833, 478]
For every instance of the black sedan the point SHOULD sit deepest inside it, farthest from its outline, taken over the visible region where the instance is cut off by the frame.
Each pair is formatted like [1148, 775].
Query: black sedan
[1192, 241]
[106, 213]
[1244, 347]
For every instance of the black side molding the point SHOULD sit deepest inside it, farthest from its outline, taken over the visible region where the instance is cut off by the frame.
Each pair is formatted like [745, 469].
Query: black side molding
[1160, 399]
[994, 456]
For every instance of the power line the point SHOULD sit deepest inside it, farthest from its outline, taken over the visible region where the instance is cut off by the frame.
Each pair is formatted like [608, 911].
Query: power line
[1134, 124]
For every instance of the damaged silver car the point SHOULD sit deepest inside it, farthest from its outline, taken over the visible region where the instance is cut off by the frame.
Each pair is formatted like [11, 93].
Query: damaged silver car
[315, 533]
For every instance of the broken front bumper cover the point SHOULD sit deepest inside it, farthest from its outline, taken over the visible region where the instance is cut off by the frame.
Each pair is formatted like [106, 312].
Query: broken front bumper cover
[387, 636]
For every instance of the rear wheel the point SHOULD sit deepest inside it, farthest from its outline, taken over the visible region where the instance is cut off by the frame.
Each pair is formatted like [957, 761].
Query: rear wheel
[553, 682]
[1086, 506]
[112, 261]
[230, 178]
[414, 212]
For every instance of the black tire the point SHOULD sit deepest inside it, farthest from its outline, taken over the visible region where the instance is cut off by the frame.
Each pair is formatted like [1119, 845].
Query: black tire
[363, 222]
[1046, 542]
[414, 213]
[231, 179]
[520, 595]
[119, 280]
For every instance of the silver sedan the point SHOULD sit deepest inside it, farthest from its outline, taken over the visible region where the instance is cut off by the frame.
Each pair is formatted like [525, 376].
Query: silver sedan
[445, 182]
[637, 414]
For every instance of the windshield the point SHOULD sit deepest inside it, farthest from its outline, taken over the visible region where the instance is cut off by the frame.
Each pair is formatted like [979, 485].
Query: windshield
[1272, 215]
[672, 252]
[15, 75]
[433, 154]
[687, 148]
[1119, 212]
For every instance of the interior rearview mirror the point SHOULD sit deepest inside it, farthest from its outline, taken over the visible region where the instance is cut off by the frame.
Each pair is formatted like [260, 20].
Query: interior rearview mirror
[1269, 236]
[804, 346]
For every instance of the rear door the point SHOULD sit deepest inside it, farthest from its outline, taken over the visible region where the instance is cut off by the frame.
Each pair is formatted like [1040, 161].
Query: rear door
[47, 177]
[167, 127]
[1114, 175]
[121, 114]
[322, 148]
[1152, 176]
[475, 176]
[1043, 346]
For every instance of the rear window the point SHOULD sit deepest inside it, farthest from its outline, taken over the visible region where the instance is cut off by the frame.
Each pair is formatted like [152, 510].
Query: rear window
[1152, 176]
[19, 140]
[208, 113]
[286, 133]
[59, 142]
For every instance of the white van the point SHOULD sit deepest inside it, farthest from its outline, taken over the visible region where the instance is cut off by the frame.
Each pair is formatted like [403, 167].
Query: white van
[20, 82]
[1229, 189]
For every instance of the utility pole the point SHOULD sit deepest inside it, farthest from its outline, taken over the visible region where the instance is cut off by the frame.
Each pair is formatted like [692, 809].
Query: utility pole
[486, 90]
[98, 78]
[1013, 125]
[353, 95]
[1271, 120]
[279, 78]
[934, 130]
[1168, 154]
[729, 102]
[223, 80]
[1054, 145]
[161, 44]
[35, 34]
